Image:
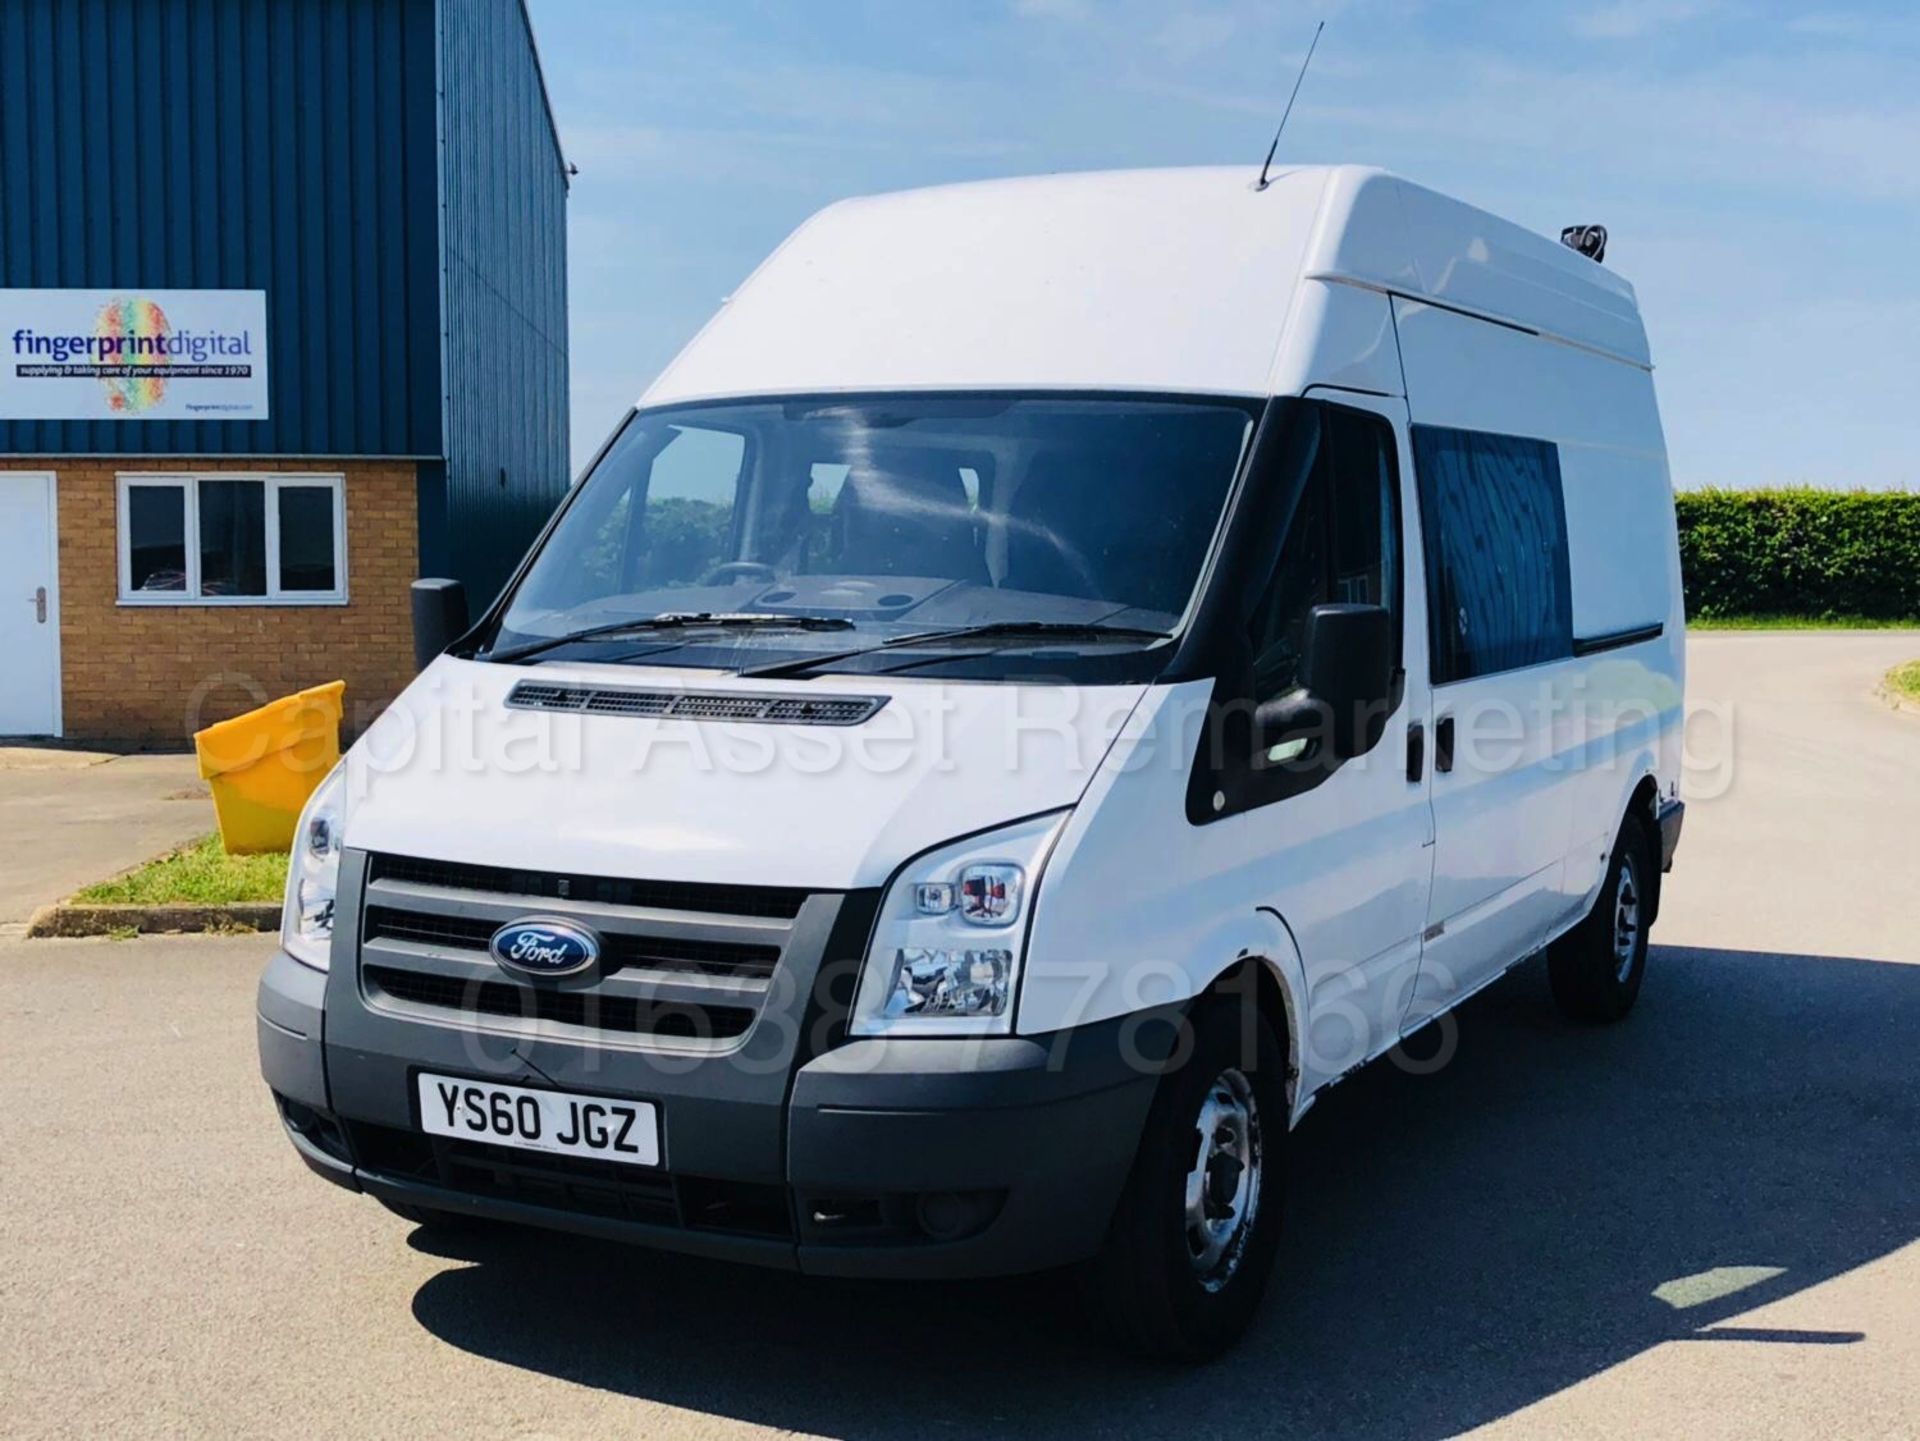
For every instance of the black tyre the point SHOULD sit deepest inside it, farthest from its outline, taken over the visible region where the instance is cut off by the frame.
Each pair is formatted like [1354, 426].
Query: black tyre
[1597, 967]
[1192, 1241]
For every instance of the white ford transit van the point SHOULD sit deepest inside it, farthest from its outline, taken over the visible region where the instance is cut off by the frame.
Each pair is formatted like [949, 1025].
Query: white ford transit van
[1056, 675]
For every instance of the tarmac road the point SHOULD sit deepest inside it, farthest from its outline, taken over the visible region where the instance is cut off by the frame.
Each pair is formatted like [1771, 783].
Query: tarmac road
[112, 813]
[1700, 1223]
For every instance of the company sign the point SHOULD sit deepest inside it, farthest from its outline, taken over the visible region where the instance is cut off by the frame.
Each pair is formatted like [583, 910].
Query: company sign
[133, 354]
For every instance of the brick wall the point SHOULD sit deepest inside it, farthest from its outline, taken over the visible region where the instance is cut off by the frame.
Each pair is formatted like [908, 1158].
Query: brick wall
[155, 673]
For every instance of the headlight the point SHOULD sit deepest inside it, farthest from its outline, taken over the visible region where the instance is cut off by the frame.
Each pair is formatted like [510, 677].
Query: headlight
[947, 947]
[313, 875]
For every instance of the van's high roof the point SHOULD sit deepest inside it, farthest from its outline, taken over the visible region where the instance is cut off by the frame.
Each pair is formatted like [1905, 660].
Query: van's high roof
[1158, 280]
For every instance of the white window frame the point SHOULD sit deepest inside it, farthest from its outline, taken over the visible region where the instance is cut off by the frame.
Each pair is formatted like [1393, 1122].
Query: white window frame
[188, 483]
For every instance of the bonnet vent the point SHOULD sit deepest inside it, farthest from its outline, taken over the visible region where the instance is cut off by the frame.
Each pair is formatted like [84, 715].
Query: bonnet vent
[789, 709]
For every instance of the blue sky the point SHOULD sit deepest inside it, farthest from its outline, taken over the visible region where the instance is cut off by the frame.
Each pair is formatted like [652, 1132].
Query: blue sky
[1758, 166]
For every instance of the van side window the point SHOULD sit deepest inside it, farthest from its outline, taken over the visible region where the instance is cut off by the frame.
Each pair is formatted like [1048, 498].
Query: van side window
[1495, 522]
[1342, 545]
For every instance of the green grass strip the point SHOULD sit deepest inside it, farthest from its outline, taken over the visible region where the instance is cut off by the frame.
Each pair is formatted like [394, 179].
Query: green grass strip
[198, 874]
[1799, 622]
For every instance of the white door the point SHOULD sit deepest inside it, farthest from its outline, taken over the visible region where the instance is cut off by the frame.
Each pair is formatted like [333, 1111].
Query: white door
[29, 606]
[1498, 598]
[1345, 854]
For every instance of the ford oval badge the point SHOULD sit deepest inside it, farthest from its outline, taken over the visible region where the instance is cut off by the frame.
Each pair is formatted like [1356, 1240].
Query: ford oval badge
[544, 946]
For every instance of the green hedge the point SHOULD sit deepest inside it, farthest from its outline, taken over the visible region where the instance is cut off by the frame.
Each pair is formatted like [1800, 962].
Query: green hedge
[1816, 553]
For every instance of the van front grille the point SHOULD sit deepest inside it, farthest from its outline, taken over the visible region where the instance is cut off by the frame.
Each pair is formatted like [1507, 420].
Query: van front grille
[780, 902]
[619, 952]
[586, 1010]
[680, 965]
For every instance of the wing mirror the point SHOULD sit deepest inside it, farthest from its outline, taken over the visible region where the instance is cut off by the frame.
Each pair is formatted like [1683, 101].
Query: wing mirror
[1346, 682]
[439, 618]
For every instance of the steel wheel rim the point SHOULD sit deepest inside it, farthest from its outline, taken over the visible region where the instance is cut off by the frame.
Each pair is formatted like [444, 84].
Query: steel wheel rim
[1223, 1185]
[1626, 920]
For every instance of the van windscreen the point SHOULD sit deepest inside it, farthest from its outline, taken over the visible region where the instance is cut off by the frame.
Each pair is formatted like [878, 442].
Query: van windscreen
[895, 514]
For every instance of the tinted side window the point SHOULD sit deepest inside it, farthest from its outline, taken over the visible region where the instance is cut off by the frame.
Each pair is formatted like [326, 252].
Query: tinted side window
[1342, 545]
[1495, 523]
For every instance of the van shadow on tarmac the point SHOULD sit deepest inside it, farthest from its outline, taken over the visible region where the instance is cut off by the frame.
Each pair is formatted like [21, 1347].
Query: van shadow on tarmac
[1459, 1245]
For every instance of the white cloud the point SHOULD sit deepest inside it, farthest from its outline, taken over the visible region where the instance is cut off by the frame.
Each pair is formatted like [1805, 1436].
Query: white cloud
[1637, 19]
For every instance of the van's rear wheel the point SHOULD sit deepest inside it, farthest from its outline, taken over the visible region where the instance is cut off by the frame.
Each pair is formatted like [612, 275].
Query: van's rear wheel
[1187, 1257]
[1596, 968]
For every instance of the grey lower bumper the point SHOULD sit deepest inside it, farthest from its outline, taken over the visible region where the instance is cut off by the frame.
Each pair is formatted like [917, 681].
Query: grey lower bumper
[922, 1158]
[289, 1017]
[1042, 1144]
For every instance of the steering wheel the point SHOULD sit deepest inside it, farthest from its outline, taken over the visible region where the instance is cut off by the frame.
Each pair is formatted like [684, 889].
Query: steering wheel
[738, 570]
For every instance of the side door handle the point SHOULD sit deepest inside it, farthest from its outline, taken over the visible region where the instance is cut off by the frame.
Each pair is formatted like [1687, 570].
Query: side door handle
[1443, 745]
[40, 605]
[1416, 752]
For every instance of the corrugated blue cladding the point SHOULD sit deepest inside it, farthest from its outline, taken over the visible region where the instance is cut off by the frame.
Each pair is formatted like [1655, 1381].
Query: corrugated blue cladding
[234, 144]
[506, 292]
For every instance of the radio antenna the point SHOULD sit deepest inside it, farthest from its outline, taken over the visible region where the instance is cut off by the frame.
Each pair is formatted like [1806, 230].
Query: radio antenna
[1263, 182]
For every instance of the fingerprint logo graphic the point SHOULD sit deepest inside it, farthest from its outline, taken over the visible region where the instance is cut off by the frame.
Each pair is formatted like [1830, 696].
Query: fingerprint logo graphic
[122, 320]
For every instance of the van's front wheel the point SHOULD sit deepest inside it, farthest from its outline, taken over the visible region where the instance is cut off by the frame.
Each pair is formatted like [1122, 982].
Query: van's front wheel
[1192, 1240]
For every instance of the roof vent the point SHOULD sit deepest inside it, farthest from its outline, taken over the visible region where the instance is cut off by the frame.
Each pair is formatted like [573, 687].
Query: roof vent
[788, 709]
[1589, 240]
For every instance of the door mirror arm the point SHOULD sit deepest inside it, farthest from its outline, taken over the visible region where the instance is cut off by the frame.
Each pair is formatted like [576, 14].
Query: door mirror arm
[1347, 683]
[1298, 712]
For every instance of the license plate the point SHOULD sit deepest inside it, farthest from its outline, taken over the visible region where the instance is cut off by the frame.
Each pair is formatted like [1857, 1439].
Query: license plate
[606, 1128]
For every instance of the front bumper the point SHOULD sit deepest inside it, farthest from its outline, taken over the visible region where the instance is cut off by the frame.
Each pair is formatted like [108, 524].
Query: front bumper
[918, 1158]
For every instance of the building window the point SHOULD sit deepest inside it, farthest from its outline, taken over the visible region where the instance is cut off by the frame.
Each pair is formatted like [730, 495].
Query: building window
[1495, 520]
[233, 540]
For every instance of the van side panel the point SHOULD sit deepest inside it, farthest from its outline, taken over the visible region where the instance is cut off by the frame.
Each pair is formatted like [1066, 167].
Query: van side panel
[1619, 529]
[1482, 376]
[1624, 551]
[1139, 909]
[1339, 336]
[1388, 234]
[1592, 725]
[1601, 414]
[1476, 261]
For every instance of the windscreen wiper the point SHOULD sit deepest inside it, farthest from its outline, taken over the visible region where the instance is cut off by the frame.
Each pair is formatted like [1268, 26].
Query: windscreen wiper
[673, 620]
[992, 630]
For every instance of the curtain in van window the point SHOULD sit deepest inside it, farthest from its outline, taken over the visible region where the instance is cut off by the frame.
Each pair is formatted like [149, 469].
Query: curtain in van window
[1495, 522]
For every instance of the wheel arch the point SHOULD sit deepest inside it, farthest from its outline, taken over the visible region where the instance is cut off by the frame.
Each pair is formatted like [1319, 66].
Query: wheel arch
[1643, 805]
[1270, 967]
